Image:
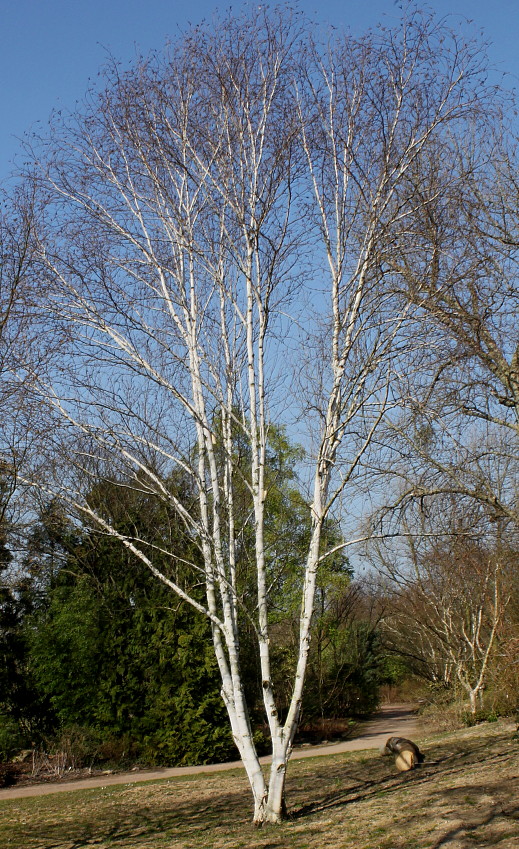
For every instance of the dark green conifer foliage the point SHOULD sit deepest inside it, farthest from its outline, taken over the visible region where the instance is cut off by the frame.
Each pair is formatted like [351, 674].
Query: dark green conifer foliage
[106, 655]
[112, 651]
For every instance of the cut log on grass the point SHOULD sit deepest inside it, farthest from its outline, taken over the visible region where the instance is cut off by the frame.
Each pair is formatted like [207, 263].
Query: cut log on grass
[408, 755]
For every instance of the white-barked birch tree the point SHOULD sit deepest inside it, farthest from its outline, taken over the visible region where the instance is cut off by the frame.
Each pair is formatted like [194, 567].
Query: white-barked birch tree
[219, 220]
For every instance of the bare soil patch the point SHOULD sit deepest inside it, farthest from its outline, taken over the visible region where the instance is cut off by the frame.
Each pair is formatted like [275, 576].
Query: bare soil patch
[465, 795]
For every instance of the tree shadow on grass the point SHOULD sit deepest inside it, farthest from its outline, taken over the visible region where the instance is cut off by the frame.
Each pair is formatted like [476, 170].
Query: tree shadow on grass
[363, 781]
[495, 821]
[462, 806]
[125, 819]
[216, 810]
[482, 814]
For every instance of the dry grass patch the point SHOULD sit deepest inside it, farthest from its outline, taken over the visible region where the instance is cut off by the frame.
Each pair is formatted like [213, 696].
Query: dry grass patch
[466, 794]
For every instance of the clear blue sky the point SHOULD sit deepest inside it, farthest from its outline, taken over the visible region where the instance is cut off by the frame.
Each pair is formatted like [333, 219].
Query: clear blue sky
[49, 49]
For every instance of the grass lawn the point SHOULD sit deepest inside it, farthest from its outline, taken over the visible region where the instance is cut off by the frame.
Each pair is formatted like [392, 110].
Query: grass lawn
[465, 795]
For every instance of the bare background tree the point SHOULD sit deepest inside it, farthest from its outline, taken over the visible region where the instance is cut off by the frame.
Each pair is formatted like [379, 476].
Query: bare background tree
[24, 349]
[448, 595]
[461, 420]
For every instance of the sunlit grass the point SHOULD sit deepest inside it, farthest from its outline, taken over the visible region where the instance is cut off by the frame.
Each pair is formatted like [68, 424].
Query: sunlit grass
[466, 792]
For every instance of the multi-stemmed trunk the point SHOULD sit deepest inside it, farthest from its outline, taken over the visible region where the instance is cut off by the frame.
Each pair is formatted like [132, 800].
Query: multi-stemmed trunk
[269, 794]
[182, 211]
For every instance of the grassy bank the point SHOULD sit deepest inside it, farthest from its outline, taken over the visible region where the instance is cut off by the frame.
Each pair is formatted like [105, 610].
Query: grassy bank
[466, 794]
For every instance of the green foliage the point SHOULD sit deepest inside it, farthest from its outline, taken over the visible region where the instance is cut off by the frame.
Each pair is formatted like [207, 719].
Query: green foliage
[12, 737]
[469, 719]
[112, 666]
[110, 649]
[345, 672]
[395, 669]
[78, 745]
[65, 651]
[195, 738]
[18, 701]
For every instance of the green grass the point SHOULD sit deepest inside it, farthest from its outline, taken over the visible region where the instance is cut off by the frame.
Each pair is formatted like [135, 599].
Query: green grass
[466, 794]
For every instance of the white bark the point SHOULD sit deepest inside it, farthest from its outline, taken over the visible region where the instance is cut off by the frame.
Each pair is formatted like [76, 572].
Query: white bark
[185, 208]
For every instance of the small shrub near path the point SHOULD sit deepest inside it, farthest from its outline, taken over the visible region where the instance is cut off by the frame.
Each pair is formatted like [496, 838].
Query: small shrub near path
[466, 794]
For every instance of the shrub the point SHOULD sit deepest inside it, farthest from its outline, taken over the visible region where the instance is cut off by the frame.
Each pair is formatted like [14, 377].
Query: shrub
[78, 746]
[12, 738]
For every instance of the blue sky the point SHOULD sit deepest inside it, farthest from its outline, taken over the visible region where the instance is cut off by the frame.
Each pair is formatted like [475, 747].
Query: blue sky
[50, 49]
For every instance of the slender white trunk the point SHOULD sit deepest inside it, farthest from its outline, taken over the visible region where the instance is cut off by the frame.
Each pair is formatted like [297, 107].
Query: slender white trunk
[276, 808]
[473, 692]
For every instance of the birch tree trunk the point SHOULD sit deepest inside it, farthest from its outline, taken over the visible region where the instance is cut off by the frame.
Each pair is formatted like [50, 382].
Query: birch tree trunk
[219, 223]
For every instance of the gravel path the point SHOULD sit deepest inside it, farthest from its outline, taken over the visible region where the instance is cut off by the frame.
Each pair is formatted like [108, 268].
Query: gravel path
[398, 720]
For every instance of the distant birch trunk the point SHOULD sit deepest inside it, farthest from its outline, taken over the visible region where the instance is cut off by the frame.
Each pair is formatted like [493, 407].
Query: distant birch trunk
[218, 225]
[447, 597]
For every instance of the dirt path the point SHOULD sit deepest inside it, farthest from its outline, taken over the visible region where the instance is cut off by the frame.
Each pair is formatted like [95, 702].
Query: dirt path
[399, 720]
